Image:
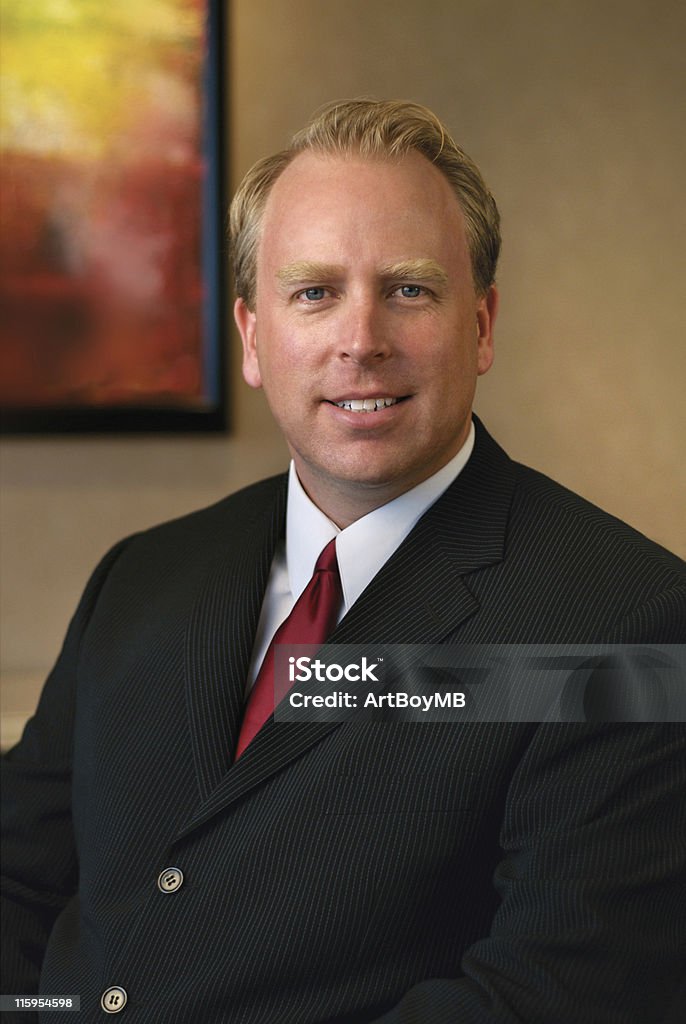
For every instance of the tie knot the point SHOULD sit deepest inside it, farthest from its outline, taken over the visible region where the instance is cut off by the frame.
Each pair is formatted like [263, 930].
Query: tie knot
[327, 561]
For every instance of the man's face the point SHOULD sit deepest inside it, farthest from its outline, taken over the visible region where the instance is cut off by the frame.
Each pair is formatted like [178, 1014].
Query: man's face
[365, 293]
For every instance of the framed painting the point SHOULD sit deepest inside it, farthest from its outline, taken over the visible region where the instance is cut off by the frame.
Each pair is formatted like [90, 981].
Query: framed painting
[111, 250]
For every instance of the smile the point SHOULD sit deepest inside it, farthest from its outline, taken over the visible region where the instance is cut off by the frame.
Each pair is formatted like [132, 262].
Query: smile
[366, 404]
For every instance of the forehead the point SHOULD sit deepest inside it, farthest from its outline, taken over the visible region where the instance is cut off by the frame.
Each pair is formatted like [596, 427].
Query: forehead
[322, 203]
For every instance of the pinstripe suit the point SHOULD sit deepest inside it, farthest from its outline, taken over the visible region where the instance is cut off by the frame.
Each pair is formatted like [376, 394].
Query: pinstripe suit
[361, 872]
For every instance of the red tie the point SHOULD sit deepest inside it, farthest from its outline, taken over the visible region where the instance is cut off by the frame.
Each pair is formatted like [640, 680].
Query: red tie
[310, 622]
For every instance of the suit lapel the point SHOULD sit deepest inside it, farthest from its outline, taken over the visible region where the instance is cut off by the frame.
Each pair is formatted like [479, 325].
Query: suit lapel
[221, 631]
[419, 596]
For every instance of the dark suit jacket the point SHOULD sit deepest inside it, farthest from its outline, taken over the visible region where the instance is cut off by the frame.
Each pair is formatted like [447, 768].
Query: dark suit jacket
[462, 873]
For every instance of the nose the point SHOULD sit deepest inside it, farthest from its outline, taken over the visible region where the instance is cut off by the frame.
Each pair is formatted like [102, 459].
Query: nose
[366, 336]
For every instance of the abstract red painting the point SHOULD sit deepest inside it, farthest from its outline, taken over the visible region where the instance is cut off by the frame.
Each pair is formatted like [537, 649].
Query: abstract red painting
[110, 250]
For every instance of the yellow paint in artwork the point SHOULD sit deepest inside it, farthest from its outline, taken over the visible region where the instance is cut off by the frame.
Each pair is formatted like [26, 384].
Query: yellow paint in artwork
[74, 72]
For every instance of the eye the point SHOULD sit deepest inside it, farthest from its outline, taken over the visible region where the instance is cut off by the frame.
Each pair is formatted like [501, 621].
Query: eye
[313, 294]
[410, 291]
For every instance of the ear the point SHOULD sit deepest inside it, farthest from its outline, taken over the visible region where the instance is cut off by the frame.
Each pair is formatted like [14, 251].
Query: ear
[486, 312]
[246, 322]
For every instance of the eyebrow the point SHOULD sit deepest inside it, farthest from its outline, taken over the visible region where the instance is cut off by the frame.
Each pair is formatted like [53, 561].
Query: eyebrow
[414, 269]
[307, 270]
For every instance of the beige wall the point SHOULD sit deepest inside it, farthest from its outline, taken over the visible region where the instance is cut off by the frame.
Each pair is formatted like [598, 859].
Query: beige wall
[574, 111]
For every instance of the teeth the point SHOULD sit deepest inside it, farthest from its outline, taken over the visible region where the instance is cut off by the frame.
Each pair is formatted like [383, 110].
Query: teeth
[366, 404]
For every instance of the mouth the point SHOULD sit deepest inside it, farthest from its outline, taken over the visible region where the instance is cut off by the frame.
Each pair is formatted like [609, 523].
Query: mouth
[367, 405]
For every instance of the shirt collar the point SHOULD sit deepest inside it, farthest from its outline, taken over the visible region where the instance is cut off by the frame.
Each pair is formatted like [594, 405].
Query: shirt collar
[366, 545]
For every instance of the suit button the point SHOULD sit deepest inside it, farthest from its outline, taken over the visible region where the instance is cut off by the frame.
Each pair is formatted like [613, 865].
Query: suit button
[114, 999]
[170, 880]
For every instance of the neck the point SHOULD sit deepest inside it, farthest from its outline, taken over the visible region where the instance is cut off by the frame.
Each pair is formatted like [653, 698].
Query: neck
[342, 508]
[345, 502]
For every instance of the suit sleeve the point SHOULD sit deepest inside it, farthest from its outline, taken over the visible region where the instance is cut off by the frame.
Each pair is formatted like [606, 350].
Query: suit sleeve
[39, 860]
[592, 920]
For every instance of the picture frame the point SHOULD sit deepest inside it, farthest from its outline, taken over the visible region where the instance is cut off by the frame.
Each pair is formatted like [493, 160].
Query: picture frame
[114, 260]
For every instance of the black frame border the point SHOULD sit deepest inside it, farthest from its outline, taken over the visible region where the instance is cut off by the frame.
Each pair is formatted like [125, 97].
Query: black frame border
[160, 419]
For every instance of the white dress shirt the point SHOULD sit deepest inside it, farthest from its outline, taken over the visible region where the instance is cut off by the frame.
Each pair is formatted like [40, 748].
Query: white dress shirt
[361, 548]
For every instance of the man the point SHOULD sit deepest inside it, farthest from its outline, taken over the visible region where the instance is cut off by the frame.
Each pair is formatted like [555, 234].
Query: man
[341, 873]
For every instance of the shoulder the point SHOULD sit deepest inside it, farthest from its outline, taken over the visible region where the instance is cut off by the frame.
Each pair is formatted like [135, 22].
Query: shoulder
[550, 522]
[572, 524]
[631, 582]
[238, 511]
[566, 568]
[155, 575]
[191, 544]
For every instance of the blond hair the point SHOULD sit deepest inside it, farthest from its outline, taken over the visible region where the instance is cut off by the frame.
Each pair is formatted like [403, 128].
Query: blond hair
[374, 129]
